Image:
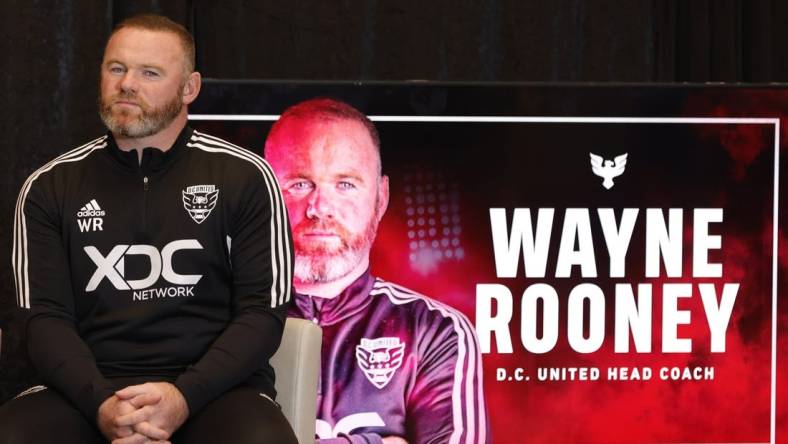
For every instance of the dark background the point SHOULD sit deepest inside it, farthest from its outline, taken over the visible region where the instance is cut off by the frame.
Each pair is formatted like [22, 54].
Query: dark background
[51, 52]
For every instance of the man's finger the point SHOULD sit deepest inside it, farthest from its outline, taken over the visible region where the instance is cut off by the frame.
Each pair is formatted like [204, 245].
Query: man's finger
[123, 432]
[145, 399]
[133, 439]
[134, 417]
[132, 391]
[151, 431]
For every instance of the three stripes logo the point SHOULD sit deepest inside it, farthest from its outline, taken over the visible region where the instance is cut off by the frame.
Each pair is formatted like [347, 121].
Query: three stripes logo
[91, 217]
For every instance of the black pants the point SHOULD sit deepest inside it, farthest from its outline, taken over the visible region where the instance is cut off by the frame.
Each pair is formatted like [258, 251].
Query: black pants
[240, 416]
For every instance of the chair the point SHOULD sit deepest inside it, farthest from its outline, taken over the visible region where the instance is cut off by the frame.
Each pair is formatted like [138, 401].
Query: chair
[297, 365]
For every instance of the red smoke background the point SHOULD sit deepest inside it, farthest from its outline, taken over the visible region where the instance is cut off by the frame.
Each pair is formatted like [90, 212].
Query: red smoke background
[733, 408]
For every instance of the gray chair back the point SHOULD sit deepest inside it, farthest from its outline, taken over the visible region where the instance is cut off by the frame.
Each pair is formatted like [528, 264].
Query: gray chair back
[297, 365]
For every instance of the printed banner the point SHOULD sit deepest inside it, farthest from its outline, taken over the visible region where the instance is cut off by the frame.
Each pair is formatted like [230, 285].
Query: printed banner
[616, 249]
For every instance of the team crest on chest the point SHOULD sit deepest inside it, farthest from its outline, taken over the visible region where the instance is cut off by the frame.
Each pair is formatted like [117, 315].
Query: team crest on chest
[199, 201]
[379, 358]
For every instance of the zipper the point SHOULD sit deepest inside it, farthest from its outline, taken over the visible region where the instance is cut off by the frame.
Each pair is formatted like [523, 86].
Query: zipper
[315, 311]
[145, 188]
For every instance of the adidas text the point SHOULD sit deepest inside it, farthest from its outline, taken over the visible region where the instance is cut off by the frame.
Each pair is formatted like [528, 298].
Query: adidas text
[89, 217]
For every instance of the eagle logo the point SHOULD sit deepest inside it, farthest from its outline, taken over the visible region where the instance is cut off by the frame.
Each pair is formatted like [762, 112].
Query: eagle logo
[608, 169]
[379, 358]
[199, 201]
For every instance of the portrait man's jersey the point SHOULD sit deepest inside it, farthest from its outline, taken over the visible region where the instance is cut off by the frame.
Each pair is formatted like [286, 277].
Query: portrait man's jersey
[395, 363]
[164, 267]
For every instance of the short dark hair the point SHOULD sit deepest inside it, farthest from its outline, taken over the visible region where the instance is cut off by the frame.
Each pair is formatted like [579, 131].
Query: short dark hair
[328, 108]
[154, 22]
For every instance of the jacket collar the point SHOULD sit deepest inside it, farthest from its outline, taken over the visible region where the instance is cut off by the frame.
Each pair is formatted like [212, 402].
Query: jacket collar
[327, 311]
[153, 159]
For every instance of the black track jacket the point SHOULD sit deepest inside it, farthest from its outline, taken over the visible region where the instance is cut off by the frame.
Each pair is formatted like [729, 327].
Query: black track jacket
[178, 268]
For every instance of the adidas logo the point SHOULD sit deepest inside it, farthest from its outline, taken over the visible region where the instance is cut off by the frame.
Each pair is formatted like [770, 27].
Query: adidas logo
[90, 217]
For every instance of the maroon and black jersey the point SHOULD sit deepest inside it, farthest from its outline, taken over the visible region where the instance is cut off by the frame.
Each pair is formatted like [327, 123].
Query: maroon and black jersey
[395, 363]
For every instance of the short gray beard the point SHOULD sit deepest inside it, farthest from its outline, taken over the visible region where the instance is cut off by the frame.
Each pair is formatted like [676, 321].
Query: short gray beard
[324, 269]
[329, 267]
[147, 124]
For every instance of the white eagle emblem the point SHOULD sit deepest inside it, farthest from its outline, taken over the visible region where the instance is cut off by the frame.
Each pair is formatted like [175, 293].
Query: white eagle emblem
[608, 169]
[199, 200]
[379, 358]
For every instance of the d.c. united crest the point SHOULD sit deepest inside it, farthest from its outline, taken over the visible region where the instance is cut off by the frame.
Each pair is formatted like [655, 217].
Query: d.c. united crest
[379, 358]
[199, 200]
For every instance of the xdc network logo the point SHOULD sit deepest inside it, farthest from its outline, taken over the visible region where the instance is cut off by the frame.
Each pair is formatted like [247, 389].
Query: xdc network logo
[113, 268]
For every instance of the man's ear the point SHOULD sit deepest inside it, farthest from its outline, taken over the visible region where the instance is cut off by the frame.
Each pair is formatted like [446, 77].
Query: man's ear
[383, 196]
[192, 87]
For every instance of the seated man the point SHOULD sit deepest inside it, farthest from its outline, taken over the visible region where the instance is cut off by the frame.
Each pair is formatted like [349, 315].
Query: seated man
[155, 265]
[397, 367]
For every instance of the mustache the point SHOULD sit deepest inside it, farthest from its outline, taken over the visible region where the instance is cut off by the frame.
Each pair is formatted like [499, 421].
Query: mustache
[321, 225]
[128, 96]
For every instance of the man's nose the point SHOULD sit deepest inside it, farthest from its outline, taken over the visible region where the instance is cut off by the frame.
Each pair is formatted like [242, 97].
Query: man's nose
[128, 83]
[319, 205]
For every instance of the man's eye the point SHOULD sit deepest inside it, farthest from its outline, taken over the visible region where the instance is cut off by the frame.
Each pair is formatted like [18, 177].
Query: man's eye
[344, 185]
[301, 186]
[116, 69]
[149, 73]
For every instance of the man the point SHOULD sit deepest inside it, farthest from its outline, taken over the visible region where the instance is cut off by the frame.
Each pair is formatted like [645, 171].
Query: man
[398, 367]
[155, 264]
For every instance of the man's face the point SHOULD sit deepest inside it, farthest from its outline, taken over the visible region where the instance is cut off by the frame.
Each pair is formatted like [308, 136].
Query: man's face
[142, 82]
[335, 196]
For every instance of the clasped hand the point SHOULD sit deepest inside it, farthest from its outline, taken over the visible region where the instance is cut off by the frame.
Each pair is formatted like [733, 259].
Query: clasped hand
[143, 414]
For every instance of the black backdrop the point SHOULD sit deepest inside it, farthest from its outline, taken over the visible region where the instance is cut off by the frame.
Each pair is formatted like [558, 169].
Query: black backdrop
[51, 51]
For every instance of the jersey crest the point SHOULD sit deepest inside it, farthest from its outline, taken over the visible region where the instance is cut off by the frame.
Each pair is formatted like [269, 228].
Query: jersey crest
[199, 201]
[379, 358]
